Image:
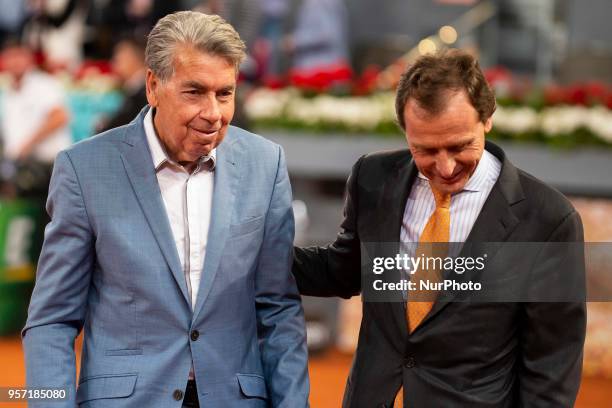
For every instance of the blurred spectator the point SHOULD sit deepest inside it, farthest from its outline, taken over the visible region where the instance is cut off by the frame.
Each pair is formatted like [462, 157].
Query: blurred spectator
[278, 21]
[128, 64]
[34, 118]
[319, 44]
[56, 29]
[115, 19]
[244, 15]
[13, 16]
[307, 41]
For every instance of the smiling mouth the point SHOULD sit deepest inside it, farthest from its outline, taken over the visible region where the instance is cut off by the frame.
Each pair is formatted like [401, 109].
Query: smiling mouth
[207, 132]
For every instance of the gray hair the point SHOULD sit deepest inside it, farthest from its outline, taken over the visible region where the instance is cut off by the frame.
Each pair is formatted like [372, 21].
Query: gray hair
[207, 33]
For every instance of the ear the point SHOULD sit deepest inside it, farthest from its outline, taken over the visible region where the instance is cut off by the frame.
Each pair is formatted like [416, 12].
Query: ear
[153, 84]
[488, 124]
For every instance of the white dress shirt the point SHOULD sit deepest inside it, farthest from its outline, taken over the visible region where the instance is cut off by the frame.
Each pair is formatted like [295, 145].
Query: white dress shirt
[465, 205]
[188, 201]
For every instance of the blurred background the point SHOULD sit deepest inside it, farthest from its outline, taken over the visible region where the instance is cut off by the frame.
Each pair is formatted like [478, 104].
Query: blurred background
[319, 80]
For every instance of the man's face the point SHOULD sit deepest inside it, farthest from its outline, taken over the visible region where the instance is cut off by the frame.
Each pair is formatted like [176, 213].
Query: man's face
[446, 147]
[126, 60]
[195, 105]
[17, 60]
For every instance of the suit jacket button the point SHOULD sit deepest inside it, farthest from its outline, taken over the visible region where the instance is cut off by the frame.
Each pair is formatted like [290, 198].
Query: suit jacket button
[195, 335]
[178, 395]
[410, 362]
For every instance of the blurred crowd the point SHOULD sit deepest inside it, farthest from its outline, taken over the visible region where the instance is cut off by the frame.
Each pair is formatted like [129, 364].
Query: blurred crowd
[48, 44]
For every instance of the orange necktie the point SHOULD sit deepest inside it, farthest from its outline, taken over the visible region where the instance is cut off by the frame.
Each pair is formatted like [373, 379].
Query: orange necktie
[437, 229]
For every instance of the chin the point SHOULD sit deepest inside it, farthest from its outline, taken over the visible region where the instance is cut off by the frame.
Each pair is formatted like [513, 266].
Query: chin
[451, 188]
[188, 157]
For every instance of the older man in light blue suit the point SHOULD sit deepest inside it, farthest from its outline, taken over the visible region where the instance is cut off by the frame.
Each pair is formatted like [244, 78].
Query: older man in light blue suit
[170, 245]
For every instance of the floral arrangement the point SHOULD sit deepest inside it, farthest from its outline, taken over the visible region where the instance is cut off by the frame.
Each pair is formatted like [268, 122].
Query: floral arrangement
[560, 116]
[577, 114]
[288, 108]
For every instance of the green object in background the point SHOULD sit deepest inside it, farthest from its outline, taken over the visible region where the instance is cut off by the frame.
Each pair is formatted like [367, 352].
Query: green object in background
[21, 233]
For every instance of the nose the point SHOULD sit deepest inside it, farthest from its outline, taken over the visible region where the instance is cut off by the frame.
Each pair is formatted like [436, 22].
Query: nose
[210, 110]
[445, 165]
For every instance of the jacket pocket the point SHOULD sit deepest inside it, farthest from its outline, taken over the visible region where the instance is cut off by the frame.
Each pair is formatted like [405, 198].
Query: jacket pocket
[246, 227]
[106, 386]
[252, 385]
[123, 352]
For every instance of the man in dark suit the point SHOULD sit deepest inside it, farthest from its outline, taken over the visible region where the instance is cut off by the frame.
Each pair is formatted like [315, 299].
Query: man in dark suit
[128, 64]
[452, 186]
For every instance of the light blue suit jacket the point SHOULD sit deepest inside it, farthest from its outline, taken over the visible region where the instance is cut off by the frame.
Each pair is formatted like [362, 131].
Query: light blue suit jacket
[109, 265]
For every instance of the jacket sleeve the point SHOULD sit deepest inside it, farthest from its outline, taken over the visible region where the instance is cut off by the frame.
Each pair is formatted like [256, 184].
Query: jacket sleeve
[335, 269]
[58, 304]
[280, 318]
[552, 332]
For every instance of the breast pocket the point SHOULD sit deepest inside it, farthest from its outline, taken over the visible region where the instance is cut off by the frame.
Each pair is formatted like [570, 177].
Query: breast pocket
[247, 226]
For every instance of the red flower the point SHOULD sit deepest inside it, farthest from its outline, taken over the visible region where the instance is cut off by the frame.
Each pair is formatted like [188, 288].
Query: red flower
[596, 92]
[367, 81]
[555, 95]
[495, 75]
[578, 95]
[322, 78]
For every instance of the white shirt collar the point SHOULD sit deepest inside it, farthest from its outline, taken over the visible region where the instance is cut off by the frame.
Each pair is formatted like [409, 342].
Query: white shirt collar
[158, 153]
[480, 179]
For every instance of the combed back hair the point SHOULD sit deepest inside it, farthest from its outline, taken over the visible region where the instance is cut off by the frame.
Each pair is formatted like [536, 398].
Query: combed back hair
[431, 79]
[207, 33]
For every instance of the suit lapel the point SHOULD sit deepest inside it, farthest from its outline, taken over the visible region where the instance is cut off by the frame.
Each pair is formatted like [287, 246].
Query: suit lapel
[227, 177]
[139, 167]
[395, 194]
[496, 219]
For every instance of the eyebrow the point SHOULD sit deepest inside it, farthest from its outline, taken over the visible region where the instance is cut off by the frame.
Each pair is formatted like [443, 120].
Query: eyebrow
[460, 143]
[198, 86]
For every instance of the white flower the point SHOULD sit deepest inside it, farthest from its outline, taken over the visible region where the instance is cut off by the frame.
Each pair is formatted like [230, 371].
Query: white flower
[563, 119]
[358, 113]
[599, 121]
[266, 103]
[515, 119]
[302, 110]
